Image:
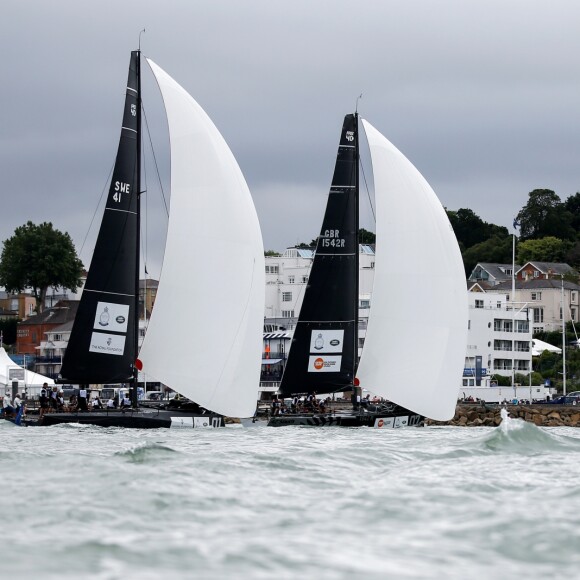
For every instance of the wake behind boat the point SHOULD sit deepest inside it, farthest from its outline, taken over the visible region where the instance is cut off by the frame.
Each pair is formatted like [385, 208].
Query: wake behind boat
[415, 242]
[210, 204]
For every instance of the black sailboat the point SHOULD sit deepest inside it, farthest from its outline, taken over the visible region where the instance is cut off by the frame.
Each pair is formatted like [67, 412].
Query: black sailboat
[103, 346]
[323, 357]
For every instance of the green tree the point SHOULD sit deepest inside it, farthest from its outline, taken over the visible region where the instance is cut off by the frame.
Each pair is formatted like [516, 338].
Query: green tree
[572, 204]
[470, 229]
[366, 237]
[545, 215]
[272, 253]
[548, 249]
[496, 249]
[39, 257]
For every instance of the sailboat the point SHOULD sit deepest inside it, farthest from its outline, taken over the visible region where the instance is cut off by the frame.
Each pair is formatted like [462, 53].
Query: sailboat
[414, 350]
[213, 238]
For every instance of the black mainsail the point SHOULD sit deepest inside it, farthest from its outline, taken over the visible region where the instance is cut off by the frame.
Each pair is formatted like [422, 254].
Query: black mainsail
[323, 354]
[103, 344]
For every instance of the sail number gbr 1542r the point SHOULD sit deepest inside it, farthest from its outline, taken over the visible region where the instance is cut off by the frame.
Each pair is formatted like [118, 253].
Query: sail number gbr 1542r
[121, 188]
[332, 239]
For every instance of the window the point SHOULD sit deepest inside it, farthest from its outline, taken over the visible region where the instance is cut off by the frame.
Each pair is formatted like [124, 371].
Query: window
[286, 296]
[502, 345]
[536, 295]
[522, 346]
[287, 313]
[522, 326]
[365, 304]
[574, 297]
[573, 314]
[538, 329]
[290, 279]
[304, 279]
[498, 305]
[57, 337]
[272, 269]
[538, 315]
[536, 274]
[479, 303]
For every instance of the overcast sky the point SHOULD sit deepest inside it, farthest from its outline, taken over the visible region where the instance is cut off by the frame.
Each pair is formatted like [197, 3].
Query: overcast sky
[483, 96]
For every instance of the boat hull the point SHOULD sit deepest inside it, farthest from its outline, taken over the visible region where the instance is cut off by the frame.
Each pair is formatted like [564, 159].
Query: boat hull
[136, 419]
[379, 420]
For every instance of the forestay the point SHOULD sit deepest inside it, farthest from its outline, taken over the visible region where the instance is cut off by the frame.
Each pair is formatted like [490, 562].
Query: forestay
[205, 335]
[414, 349]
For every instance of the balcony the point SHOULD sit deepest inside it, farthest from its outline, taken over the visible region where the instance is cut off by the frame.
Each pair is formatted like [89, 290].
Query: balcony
[470, 372]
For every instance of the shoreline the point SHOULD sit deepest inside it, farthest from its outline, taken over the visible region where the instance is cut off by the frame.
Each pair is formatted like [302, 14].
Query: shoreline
[486, 415]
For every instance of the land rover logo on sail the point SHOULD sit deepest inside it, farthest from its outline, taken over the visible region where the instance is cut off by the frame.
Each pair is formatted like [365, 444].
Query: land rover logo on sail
[120, 319]
[335, 342]
[350, 135]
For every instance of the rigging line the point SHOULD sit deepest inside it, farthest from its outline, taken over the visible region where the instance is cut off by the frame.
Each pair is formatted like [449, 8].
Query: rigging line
[97, 208]
[367, 190]
[144, 228]
[155, 160]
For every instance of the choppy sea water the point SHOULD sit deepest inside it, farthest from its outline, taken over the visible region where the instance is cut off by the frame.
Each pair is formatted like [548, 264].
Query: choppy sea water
[434, 502]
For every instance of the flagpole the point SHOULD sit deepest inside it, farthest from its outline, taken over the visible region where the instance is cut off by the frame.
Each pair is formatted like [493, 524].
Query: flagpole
[513, 311]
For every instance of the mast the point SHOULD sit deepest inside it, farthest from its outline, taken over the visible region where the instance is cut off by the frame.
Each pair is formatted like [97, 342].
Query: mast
[134, 397]
[563, 342]
[356, 245]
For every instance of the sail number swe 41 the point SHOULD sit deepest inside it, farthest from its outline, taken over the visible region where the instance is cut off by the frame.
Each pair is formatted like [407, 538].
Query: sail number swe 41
[120, 188]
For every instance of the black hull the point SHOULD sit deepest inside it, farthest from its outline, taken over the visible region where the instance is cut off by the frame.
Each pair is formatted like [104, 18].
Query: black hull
[136, 419]
[380, 420]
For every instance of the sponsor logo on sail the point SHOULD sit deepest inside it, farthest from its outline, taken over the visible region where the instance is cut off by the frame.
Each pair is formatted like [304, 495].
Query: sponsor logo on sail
[134, 110]
[350, 136]
[113, 317]
[319, 342]
[324, 364]
[326, 341]
[107, 343]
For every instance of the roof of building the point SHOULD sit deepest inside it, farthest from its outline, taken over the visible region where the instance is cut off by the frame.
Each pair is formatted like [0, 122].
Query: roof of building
[495, 270]
[556, 268]
[63, 311]
[537, 283]
[149, 283]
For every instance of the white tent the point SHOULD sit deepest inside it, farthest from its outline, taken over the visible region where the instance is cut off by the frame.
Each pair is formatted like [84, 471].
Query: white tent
[539, 346]
[25, 377]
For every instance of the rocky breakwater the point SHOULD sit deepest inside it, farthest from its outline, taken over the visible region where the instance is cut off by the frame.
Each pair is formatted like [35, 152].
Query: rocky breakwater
[478, 415]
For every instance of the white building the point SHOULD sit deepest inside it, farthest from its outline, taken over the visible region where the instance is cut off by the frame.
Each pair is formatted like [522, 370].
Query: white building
[498, 341]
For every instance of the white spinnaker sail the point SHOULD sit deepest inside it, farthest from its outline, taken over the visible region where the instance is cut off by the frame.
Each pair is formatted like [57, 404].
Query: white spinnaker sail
[204, 338]
[415, 345]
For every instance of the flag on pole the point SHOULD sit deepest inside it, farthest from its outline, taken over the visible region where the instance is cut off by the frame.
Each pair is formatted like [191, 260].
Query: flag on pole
[516, 223]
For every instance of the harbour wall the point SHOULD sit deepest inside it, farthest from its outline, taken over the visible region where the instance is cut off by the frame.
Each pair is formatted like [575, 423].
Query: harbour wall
[478, 415]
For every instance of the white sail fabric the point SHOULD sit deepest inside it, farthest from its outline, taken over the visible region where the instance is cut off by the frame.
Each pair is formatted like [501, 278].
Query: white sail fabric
[415, 345]
[204, 338]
